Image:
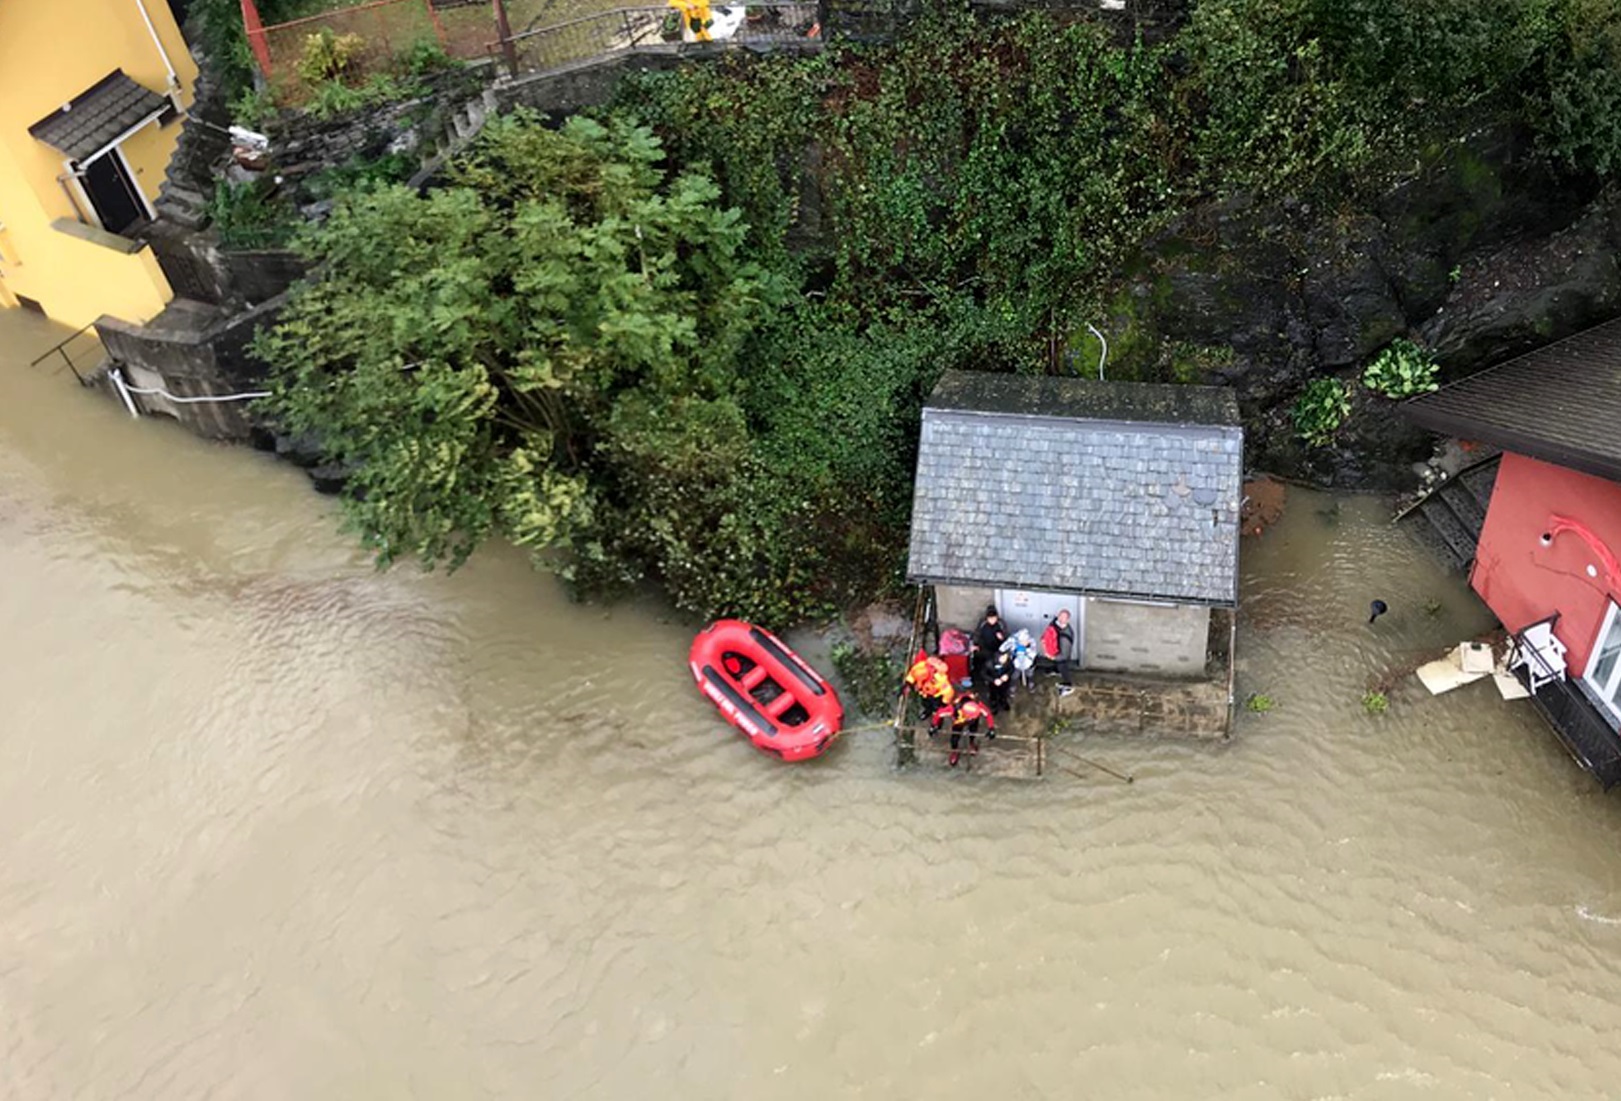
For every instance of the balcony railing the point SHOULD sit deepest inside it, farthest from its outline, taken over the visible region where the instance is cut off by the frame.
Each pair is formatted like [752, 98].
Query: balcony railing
[1586, 733]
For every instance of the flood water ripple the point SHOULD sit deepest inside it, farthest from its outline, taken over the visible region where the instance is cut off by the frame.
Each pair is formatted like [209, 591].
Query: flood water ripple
[275, 825]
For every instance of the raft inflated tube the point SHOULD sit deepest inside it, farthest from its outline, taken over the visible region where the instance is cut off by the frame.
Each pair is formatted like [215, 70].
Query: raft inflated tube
[776, 698]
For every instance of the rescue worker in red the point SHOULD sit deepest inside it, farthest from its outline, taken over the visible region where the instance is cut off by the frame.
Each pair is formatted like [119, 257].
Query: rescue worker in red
[929, 677]
[965, 717]
[1057, 643]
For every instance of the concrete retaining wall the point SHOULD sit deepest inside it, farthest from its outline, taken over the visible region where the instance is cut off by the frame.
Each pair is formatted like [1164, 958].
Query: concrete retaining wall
[193, 351]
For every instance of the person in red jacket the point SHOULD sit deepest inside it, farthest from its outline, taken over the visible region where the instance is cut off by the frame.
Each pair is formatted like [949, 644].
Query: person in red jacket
[1057, 643]
[970, 712]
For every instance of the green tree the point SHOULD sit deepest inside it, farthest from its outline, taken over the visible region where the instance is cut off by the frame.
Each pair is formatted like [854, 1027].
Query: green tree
[526, 352]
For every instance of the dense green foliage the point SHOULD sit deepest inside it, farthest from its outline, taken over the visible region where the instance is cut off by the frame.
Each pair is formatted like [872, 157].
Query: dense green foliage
[1402, 370]
[697, 353]
[1320, 410]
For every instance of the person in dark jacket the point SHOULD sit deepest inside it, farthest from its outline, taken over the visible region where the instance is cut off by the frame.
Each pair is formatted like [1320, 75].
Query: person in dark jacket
[1057, 644]
[999, 681]
[988, 639]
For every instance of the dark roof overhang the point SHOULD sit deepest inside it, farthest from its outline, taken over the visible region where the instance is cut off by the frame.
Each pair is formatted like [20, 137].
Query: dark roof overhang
[95, 119]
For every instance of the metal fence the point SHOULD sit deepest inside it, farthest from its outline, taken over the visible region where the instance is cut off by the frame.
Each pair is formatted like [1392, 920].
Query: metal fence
[591, 36]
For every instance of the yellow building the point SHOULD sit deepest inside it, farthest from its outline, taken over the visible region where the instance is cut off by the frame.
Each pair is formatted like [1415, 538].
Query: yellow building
[91, 96]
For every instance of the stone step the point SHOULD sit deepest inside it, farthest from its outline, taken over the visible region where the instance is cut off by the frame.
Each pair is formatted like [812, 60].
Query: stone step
[1480, 482]
[189, 217]
[174, 194]
[1453, 533]
[1464, 505]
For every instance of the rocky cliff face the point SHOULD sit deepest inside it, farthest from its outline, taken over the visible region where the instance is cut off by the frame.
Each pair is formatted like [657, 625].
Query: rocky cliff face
[1480, 252]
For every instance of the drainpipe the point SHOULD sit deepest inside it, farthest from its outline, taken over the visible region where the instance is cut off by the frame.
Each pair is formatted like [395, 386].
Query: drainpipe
[174, 77]
[123, 391]
[1104, 358]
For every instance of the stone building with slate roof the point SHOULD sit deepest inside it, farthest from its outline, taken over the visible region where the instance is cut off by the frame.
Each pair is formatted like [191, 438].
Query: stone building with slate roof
[1116, 500]
[92, 93]
[1546, 554]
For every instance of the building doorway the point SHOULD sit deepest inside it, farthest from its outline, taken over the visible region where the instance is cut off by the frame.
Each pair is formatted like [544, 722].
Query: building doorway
[111, 190]
[1033, 609]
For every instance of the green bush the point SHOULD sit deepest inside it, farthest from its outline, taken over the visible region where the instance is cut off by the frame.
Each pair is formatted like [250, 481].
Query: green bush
[330, 98]
[250, 216]
[253, 108]
[1259, 702]
[1321, 410]
[328, 55]
[1375, 703]
[1402, 370]
[425, 56]
[873, 677]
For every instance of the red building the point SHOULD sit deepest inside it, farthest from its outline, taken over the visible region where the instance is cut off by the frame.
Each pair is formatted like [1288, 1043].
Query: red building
[1546, 560]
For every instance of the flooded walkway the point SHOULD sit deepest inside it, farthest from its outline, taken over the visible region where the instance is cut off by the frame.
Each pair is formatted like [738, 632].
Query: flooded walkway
[273, 825]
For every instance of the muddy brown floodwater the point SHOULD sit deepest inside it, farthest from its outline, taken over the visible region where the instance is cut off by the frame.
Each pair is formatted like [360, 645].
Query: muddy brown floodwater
[275, 826]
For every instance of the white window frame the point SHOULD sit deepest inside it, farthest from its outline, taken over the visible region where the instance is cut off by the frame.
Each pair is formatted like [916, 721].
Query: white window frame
[1607, 694]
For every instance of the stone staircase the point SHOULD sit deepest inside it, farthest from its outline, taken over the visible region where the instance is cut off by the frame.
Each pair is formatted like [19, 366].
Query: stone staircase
[1449, 518]
[463, 122]
[204, 146]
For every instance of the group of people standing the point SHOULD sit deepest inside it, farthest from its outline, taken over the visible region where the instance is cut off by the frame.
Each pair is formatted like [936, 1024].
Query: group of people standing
[1002, 659]
[999, 660]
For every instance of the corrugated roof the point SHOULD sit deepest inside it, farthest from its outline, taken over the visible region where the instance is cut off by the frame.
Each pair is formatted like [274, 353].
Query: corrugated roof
[92, 119]
[1139, 497]
[1560, 403]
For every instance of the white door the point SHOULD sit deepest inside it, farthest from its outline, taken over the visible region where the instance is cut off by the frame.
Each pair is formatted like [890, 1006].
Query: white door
[1033, 609]
[1604, 667]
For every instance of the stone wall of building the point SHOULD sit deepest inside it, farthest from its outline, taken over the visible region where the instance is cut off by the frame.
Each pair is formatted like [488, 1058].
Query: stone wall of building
[961, 606]
[1163, 640]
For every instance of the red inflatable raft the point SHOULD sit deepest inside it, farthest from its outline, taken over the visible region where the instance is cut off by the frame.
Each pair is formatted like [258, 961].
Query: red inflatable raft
[765, 689]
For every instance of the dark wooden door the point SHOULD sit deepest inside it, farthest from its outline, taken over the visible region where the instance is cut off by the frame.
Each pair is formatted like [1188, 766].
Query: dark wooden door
[112, 193]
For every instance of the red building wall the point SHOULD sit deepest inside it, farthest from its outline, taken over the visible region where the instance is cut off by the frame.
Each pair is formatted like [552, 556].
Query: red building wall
[1523, 581]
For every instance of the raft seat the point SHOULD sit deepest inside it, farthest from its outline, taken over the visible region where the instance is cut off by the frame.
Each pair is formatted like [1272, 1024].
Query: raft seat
[751, 680]
[782, 703]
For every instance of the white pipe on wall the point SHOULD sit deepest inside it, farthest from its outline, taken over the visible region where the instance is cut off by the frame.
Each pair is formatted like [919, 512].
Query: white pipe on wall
[174, 77]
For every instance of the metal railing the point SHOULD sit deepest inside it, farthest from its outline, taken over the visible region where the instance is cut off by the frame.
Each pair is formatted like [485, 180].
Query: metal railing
[1587, 734]
[90, 345]
[587, 37]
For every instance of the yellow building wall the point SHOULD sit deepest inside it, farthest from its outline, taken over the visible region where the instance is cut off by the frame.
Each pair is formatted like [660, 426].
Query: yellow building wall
[51, 51]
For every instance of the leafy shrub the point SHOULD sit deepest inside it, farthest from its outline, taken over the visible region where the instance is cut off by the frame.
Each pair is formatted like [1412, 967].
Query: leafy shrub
[873, 677]
[249, 216]
[360, 173]
[1402, 370]
[1375, 703]
[332, 97]
[425, 56]
[1321, 410]
[1259, 702]
[327, 55]
[253, 108]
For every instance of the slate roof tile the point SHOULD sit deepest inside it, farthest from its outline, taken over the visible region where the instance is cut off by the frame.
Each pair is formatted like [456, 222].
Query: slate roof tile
[1079, 499]
[96, 116]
